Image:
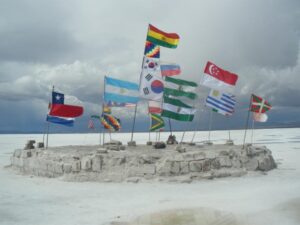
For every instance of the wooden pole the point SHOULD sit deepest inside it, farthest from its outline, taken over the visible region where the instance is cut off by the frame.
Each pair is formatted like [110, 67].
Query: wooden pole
[247, 122]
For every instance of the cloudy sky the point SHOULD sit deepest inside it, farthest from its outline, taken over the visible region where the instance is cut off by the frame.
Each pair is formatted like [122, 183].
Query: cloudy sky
[74, 44]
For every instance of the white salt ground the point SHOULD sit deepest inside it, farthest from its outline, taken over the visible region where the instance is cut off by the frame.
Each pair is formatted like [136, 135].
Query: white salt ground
[253, 199]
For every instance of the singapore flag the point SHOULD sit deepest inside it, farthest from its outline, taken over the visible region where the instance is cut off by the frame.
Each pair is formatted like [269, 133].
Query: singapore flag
[219, 79]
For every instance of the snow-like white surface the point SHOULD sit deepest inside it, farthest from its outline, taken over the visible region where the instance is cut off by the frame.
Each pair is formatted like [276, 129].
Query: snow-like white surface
[256, 198]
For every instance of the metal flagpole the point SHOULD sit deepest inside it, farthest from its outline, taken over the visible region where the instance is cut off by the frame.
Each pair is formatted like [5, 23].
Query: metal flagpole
[229, 135]
[135, 110]
[100, 139]
[210, 122]
[103, 129]
[247, 122]
[48, 124]
[131, 140]
[182, 137]
[252, 131]
[170, 126]
[47, 135]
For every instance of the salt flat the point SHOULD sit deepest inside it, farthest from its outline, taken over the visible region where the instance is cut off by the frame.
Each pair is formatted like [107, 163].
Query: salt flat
[257, 198]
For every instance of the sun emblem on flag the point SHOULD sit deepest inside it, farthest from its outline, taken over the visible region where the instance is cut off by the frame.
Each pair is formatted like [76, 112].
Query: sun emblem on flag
[216, 93]
[122, 90]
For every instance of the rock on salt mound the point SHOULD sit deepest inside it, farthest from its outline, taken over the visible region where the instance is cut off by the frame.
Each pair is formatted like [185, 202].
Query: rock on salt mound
[117, 163]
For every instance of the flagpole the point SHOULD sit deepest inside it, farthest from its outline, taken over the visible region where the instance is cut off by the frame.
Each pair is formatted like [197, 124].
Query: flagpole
[100, 139]
[103, 129]
[252, 131]
[195, 131]
[210, 122]
[48, 124]
[135, 110]
[47, 135]
[170, 126]
[182, 137]
[44, 132]
[247, 122]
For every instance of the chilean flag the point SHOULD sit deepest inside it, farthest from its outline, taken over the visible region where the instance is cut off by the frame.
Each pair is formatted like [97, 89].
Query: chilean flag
[60, 109]
[219, 79]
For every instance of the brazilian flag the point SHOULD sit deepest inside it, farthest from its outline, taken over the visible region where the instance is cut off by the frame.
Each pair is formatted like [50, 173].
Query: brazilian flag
[156, 122]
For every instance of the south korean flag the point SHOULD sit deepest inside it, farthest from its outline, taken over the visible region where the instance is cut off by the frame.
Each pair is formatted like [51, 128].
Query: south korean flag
[151, 83]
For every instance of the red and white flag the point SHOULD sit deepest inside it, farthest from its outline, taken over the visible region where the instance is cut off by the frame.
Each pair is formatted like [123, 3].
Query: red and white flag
[260, 117]
[154, 107]
[219, 79]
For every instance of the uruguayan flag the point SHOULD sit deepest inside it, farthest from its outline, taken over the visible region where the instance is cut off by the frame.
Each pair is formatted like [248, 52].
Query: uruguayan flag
[221, 102]
[120, 91]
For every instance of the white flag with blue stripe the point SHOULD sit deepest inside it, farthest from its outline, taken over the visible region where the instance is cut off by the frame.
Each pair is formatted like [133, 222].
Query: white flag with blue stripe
[221, 102]
[120, 91]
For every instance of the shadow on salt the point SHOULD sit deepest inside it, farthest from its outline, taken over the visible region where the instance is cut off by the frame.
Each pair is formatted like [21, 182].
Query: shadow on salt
[199, 216]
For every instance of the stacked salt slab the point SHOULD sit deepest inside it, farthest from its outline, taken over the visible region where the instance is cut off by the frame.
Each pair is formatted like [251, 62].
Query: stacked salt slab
[115, 162]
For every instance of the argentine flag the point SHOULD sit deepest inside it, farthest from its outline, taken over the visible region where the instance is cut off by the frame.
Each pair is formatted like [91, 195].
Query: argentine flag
[221, 102]
[120, 91]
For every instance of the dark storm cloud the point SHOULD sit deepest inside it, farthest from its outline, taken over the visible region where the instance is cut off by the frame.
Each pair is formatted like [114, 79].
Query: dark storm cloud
[34, 31]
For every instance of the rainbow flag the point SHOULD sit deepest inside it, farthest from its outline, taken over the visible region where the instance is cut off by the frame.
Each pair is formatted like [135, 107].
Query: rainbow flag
[152, 50]
[158, 37]
[110, 122]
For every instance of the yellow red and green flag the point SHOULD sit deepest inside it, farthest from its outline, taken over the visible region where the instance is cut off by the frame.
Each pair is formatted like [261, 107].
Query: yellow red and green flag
[158, 37]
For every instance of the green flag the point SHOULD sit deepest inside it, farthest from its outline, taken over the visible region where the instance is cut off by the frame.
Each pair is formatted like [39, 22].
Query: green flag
[177, 110]
[179, 88]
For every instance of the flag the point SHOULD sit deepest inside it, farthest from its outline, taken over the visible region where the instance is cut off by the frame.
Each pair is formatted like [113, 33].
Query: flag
[151, 83]
[154, 107]
[69, 122]
[156, 122]
[60, 109]
[260, 117]
[91, 124]
[158, 37]
[221, 102]
[152, 50]
[120, 91]
[179, 87]
[170, 69]
[119, 104]
[219, 79]
[177, 110]
[259, 104]
[110, 122]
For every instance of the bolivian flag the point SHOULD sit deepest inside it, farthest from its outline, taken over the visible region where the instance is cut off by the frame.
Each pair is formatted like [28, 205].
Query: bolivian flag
[158, 37]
